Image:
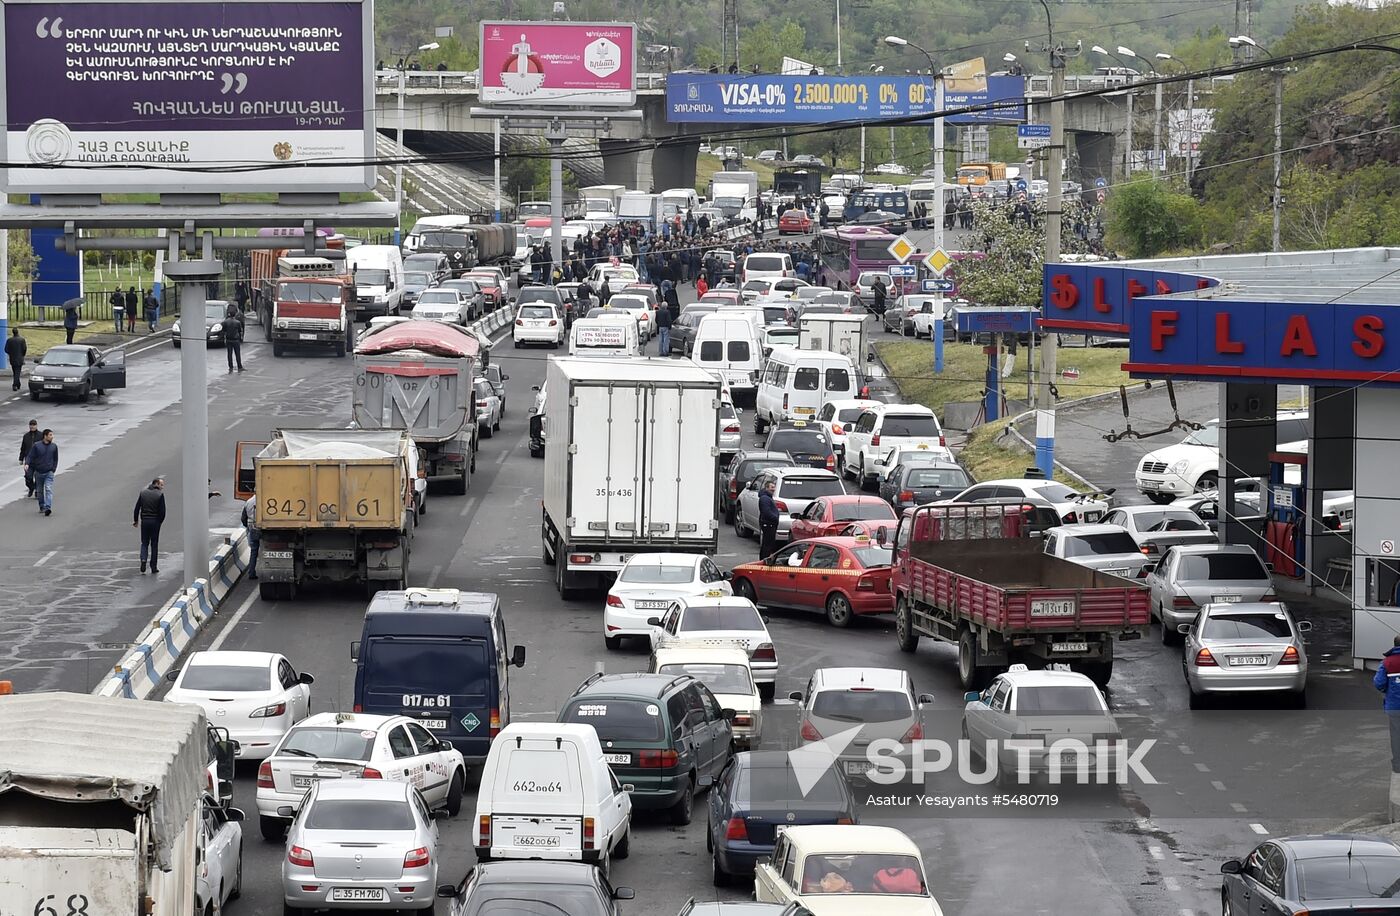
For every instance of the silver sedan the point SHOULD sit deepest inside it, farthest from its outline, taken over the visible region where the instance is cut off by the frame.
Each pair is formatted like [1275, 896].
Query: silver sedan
[1245, 648]
[362, 844]
[1190, 577]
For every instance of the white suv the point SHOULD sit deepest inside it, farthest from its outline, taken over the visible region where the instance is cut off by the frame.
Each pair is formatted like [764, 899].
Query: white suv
[1193, 464]
[883, 427]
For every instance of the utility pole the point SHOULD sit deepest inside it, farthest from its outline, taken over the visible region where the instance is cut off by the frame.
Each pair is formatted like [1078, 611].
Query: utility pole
[1045, 409]
[1190, 129]
[496, 159]
[1160, 161]
[398, 168]
[1278, 152]
[838, 37]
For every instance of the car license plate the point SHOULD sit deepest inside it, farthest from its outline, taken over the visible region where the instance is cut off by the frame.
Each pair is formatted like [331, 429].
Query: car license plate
[1063, 607]
[435, 724]
[622, 759]
[857, 768]
[307, 336]
[652, 605]
[1117, 571]
[1226, 599]
[276, 554]
[1092, 516]
[806, 410]
[548, 842]
[1069, 647]
[53, 386]
[357, 893]
[303, 782]
[1247, 660]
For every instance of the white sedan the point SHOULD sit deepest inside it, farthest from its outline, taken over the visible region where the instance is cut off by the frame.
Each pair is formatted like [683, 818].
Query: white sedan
[256, 696]
[640, 309]
[717, 619]
[648, 584]
[539, 322]
[1072, 507]
[220, 876]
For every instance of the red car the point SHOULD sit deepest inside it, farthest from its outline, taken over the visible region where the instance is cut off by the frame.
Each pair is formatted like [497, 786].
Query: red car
[794, 221]
[881, 532]
[828, 515]
[841, 576]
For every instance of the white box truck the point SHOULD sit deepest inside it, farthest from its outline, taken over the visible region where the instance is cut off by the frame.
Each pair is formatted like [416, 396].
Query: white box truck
[843, 334]
[632, 464]
[100, 802]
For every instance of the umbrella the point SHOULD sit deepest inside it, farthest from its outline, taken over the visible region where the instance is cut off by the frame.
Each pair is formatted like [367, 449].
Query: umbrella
[72, 305]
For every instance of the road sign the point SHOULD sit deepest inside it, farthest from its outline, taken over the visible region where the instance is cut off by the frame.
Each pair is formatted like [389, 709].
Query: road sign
[1100, 182]
[1021, 184]
[937, 261]
[1032, 136]
[937, 286]
[901, 248]
[1387, 547]
[1101, 195]
[907, 271]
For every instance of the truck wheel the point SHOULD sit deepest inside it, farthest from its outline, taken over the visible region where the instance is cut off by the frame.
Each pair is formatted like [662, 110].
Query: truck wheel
[1098, 672]
[463, 483]
[970, 674]
[340, 349]
[274, 829]
[561, 576]
[838, 611]
[904, 626]
[276, 349]
[267, 591]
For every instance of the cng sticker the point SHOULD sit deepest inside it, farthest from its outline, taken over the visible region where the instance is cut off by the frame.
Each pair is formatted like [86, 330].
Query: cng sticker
[470, 722]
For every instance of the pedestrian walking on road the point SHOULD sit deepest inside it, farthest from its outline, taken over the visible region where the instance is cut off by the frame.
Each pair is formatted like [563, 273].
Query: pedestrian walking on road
[663, 332]
[240, 295]
[233, 337]
[151, 309]
[42, 463]
[767, 520]
[1387, 681]
[25, 444]
[249, 518]
[149, 515]
[70, 323]
[118, 302]
[15, 349]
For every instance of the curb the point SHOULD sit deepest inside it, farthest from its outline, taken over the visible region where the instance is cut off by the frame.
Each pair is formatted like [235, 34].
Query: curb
[138, 674]
[1067, 405]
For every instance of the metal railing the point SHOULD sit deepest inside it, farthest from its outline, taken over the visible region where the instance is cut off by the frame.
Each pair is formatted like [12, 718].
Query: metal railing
[97, 306]
[387, 81]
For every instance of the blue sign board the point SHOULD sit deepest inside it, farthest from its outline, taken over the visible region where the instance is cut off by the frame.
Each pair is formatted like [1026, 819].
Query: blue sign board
[1100, 298]
[722, 98]
[937, 286]
[1100, 182]
[58, 274]
[996, 320]
[908, 271]
[1021, 184]
[1033, 132]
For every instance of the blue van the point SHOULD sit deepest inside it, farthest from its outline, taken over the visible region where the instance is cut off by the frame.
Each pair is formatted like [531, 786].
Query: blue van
[438, 655]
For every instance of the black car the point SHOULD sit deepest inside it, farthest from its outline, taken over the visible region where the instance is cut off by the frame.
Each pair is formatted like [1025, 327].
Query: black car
[414, 282]
[745, 467]
[432, 263]
[807, 443]
[215, 311]
[656, 729]
[757, 794]
[891, 221]
[534, 886]
[683, 328]
[726, 266]
[1324, 873]
[538, 293]
[76, 371]
[913, 483]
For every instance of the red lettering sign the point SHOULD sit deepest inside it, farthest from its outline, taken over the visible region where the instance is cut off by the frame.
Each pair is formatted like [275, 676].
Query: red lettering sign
[1101, 304]
[1223, 343]
[1135, 289]
[1297, 336]
[1163, 326]
[1368, 343]
[1163, 287]
[1064, 294]
[1202, 283]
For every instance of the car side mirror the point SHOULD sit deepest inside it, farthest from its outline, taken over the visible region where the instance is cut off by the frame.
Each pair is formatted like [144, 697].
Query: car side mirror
[728, 714]
[173, 675]
[101, 362]
[729, 574]
[925, 699]
[1304, 626]
[517, 656]
[847, 427]
[286, 811]
[306, 679]
[1184, 629]
[235, 814]
[504, 377]
[441, 814]
[444, 745]
[447, 890]
[764, 861]
[534, 387]
[355, 651]
[972, 696]
[1231, 867]
[796, 695]
[705, 782]
[623, 893]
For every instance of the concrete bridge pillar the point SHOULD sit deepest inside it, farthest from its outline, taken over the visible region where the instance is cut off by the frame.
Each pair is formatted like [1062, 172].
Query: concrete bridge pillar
[626, 163]
[673, 165]
[1096, 160]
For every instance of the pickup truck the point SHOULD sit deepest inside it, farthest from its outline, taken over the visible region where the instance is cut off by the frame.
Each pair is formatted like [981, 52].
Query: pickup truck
[971, 575]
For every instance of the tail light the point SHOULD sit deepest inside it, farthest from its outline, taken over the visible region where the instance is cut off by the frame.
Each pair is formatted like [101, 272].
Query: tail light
[553, 323]
[357, 708]
[480, 403]
[1290, 656]
[785, 401]
[733, 428]
[865, 584]
[519, 323]
[844, 820]
[1145, 551]
[483, 831]
[764, 653]
[943, 441]
[875, 439]
[780, 505]
[590, 833]
[1205, 660]
[831, 462]
[371, 773]
[614, 601]
[1269, 596]
[299, 856]
[209, 782]
[269, 712]
[837, 429]
[653, 760]
[1179, 601]
[417, 858]
[915, 733]
[906, 496]
[733, 488]
[809, 733]
[743, 719]
[736, 829]
[495, 722]
[265, 775]
[1142, 572]
[580, 559]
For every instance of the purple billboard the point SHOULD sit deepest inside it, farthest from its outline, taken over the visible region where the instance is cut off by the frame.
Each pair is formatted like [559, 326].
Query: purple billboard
[249, 95]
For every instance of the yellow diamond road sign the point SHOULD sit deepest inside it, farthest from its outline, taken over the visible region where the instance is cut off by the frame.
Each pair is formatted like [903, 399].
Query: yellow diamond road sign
[937, 261]
[902, 248]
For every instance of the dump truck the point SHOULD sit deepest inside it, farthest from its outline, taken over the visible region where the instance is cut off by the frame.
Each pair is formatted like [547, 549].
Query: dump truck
[311, 305]
[333, 505]
[980, 173]
[100, 805]
[972, 574]
[417, 376]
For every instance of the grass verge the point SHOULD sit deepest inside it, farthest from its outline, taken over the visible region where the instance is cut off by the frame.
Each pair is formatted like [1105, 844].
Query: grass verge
[986, 457]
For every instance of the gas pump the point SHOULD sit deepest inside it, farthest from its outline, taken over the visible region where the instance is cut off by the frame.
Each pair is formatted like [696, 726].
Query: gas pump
[1286, 511]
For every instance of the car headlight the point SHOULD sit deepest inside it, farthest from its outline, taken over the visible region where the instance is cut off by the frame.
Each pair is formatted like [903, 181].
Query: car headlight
[175, 328]
[72, 378]
[1179, 467]
[214, 330]
[282, 325]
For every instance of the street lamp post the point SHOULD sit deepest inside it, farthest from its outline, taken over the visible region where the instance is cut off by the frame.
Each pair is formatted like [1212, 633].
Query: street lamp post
[1045, 402]
[1128, 152]
[1156, 105]
[1278, 72]
[398, 169]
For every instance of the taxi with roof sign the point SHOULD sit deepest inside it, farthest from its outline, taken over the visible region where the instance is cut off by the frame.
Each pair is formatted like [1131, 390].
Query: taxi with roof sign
[841, 576]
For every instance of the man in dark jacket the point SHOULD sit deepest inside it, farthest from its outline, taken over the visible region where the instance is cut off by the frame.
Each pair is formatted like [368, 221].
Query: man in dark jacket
[663, 332]
[70, 323]
[25, 445]
[15, 349]
[42, 463]
[1387, 681]
[767, 520]
[673, 299]
[878, 295]
[233, 337]
[149, 514]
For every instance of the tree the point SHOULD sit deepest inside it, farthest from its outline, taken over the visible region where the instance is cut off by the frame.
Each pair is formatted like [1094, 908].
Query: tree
[1010, 274]
[23, 262]
[1147, 217]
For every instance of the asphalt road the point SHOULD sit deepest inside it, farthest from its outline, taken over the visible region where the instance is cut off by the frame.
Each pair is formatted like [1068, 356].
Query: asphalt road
[1225, 777]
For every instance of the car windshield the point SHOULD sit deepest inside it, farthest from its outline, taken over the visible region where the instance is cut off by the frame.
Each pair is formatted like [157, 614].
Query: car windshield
[467, 288]
[359, 814]
[756, 286]
[348, 743]
[849, 414]
[62, 357]
[616, 720]
[1109, 542]
[457, 666]
[371, 276]
[720, 617]
[536, 311]
[810, 487]
[833, 299]
[438, 297]
[1054, 492]
[518, 898]
[871, 557]
[537, 294]
[910, 425]
[321, 292]
[443, 240]
[797, 440]
[764, 262]
[657, 574]
[862, 704]
[719, 678]
[1179, 520]
[1348, 878]
[778, 787]
[215, 311]
[943, 478]
[415, 278]
[631, 303]
[1209, 436]
[232, 678]
[752, 468]
[1246, 626]
[1222, 567]
[1058, 699]
[863, 873]
[861, 511]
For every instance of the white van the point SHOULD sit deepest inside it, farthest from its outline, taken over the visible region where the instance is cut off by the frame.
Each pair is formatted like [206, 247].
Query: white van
[378, 274]
[547, 792]
[753, 314]
[767, 265]
[796, 383]
[728, 346]
[430, 224]
[679, 201]
[608, 338]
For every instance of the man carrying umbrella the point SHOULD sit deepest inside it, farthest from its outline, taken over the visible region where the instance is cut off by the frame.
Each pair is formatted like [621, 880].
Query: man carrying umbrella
[70, 317]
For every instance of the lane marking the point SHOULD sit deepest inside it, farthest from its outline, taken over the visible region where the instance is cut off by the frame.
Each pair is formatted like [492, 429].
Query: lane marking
[1202, 768]
[1185, 749]
[231, 425]
[1259, 829]
[45, 558]
[1171, 884]
[1156, 852]
[233, 621]
[1219, 786]
[598, 666]
[467, 507]
[1239, 808]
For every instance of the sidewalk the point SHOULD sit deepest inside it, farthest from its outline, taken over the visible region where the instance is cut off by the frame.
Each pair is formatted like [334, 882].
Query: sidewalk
[101, 334]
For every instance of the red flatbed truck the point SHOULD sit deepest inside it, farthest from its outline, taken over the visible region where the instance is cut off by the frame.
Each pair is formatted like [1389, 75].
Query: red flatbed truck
[972, 575]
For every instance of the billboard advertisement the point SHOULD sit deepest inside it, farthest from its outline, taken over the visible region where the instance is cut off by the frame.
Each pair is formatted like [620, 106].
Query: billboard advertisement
[1187, 128]
[559, 63]
[198, 95]
[721, 98]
